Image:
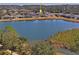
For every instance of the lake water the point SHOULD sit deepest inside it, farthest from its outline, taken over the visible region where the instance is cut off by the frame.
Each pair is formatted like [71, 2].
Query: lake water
[40, 30]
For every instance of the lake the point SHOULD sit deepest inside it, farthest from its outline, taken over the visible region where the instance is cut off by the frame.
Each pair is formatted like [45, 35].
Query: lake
[40, 30]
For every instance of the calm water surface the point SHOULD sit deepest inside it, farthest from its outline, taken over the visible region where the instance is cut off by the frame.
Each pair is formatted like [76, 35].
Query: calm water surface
[40, 30]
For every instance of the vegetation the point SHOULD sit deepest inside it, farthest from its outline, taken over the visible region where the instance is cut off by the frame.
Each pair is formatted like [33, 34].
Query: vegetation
[12, 41]
[42, 48]
[70, 38]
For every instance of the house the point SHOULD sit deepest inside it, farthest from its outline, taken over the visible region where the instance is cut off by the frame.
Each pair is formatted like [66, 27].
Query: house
[7, 17]
[76, 16]
[20, 16]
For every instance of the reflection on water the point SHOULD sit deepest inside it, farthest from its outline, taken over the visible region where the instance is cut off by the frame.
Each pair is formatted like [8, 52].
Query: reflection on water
[40, 30]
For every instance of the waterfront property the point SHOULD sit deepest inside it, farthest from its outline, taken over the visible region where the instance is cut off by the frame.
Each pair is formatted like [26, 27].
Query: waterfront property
[39, 29]
[36, 16]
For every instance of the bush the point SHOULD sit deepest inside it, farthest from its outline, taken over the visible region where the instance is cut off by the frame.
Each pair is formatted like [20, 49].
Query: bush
[12, 41]
[42, 48]
[70, 38]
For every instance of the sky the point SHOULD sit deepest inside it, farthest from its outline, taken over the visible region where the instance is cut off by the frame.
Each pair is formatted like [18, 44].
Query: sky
[39, 4]
[38, 1]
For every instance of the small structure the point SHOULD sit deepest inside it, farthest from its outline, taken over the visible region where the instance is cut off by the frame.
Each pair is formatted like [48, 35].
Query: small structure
[1, 46]
[19, 16]
[7, 17]
[76, 16]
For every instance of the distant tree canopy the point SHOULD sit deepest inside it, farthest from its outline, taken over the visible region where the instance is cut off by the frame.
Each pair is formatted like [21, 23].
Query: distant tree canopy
[10, 28]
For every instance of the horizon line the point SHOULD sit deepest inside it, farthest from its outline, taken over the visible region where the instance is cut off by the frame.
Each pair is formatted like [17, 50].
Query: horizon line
[39, 3]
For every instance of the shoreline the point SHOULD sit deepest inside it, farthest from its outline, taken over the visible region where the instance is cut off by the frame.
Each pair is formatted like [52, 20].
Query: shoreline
[41, 18]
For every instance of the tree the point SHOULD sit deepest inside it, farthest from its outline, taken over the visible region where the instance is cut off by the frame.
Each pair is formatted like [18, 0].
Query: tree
[10, 40]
